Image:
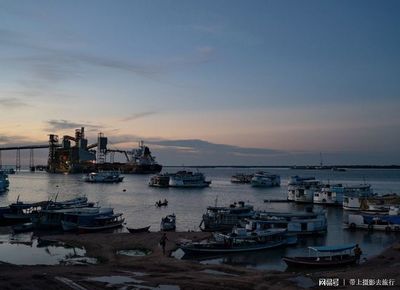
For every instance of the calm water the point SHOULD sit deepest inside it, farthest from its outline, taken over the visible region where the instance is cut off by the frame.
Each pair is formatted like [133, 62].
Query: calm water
[136, 200]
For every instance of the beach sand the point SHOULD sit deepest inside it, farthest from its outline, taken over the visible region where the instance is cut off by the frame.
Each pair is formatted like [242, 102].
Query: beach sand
[156, 270]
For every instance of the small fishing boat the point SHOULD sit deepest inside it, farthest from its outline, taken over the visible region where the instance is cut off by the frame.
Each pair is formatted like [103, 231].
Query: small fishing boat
[162, 203]
[324, 256]
[168, 223]
[101, 223]
[138, 230]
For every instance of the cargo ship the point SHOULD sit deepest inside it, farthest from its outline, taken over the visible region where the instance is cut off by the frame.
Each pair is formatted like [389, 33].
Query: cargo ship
[74, 155]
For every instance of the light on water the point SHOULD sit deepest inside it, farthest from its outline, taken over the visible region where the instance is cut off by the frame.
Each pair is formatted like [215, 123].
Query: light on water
[136, 200]
[25, 250]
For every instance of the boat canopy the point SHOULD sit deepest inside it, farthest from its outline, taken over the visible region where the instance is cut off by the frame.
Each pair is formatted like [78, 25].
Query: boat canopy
[339, 248]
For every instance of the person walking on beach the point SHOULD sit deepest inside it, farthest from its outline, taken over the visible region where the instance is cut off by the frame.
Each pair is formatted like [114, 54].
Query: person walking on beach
[163, 242]
[357, 253]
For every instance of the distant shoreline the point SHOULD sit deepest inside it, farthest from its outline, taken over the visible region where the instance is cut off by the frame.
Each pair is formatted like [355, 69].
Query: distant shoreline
[303, 167]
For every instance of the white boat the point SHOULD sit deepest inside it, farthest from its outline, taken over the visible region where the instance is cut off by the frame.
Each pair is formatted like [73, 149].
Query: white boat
[264, 179]
[221, 218]
[4, 182]
[168, 223]
[304, 192]
[103, 177]
[188, 179]
[300, 223]
[293, 183]
[381, 222]
[330, 194]
[356, 195]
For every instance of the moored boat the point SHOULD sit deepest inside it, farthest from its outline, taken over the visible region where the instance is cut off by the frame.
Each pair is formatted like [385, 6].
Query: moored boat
[138, 230]
[381, 222]
[104, 222]
[4, 181]
[104, 177]
[159, 180]
[324, 256]
[264, 179]
[168, 223]
[293, 183]
[239, 243]
[299, 223]
[304, 192]
[355, 196]
[188, 179]
[222, 218]
[241, 178]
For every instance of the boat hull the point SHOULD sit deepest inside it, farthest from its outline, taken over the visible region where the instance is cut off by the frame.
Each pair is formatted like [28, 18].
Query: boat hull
[235, 249]
[319, 263]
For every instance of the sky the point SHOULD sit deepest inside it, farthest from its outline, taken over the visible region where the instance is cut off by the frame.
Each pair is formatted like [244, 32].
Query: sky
[206, 82]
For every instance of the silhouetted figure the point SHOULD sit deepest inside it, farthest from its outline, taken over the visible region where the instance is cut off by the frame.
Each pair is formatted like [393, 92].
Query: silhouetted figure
[163, 242]
[357, 253]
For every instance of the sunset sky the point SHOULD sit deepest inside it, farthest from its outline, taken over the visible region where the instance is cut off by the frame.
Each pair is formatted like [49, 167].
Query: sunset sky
[206, 82]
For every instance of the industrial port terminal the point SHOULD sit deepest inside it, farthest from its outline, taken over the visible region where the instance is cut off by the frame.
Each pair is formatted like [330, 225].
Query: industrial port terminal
[74, 154]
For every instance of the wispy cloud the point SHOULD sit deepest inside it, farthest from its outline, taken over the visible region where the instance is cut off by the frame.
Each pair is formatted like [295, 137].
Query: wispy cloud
[12, 103]
[54, 125]
[139, 115]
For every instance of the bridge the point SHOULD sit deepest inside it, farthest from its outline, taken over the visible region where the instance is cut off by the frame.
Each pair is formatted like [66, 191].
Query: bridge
[18, 154]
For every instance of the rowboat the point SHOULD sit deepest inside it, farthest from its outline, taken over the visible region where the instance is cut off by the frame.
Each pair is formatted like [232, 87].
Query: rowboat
[138, 230]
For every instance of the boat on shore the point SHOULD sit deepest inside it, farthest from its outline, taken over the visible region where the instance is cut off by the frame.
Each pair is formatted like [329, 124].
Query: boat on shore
[264, 179]
[138, 230]
[188, 179]
[223, 218]
[103, 177]
[238, 243]
[324, 256]
[168, 223]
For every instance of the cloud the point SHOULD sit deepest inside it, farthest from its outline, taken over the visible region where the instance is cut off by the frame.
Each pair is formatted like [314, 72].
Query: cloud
[12, 103]
[139, 115]
[54, 125]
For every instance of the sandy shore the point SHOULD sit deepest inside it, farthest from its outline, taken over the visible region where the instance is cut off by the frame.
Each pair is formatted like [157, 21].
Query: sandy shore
[148, 272]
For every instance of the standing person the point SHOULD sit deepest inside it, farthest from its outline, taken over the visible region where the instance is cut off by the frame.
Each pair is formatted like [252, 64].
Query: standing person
[163, 242]
[357, 253]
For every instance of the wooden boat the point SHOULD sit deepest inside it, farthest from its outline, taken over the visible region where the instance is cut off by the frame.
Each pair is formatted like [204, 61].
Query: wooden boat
[324, 256]
[162, 203]
[241, 243]
[103, 223]
[138, 230]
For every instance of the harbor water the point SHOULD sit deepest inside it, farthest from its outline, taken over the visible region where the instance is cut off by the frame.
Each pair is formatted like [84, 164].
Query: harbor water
[136, 200]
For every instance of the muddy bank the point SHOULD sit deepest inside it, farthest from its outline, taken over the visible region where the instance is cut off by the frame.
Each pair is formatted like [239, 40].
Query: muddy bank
[155, 269]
